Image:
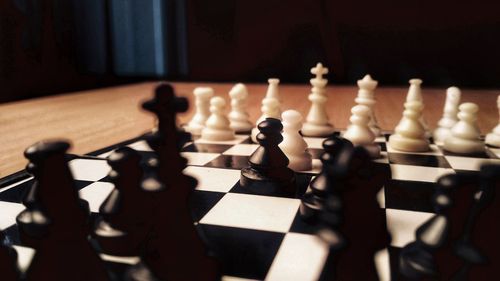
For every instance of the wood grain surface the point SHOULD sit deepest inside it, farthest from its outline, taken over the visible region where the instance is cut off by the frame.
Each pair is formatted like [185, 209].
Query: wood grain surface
[95, 119]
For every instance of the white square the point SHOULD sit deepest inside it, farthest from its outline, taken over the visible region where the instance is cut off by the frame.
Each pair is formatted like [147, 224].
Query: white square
[380, 139]
[89, 169]
[95, 194]
[418, 173]
[253, 212]
[232, 278]
[141, 145]
[468, 163]
[241, 149]
[384, 159]
[24, 257]
[314, 142]
[199, 158]
[433, 150]
[237, 139]
[213, 179]
[402, 225]
[300, 257]
[8, 213]
[495, 151]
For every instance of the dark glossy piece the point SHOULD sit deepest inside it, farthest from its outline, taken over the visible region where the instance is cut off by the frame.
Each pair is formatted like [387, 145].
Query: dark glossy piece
[268, 172]
[8, 262]
[63, 251]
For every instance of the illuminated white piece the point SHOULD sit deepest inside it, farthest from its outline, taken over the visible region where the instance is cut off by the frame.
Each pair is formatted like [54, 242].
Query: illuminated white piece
[359, 132]
[217, 126]
[202, 102]
[293, 144]
[493, 138]
[238, 117]
[409, 133]
[270, 109]
[449, 118]
[272, 89]
[465, 135]
[415, 94]
[317, 123]
[366, 96]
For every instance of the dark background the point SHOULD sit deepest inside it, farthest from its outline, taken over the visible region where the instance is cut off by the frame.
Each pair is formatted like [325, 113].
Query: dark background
[54, 46]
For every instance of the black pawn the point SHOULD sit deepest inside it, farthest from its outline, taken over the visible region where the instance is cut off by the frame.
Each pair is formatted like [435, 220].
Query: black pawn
[268, 173]
[417, 260]
[321, 187]
[127, 211]
[8, 261]
[63, 252]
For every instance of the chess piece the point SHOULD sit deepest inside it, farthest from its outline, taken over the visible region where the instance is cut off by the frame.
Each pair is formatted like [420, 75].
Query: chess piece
[317, 123]
[449, 118]
[415, 94]
[409, 133]
[270, 109]
[359, 132]
[8, 261]
[273, 90]
[238, 116]
[172, 252]
[418, 259]
[64, 253]
[465, 135]
[268, 172]
[313, 201]
[202, 102]
[493, 138]
[126, 212]
[217, 126]
[293, 144]
[366, 96]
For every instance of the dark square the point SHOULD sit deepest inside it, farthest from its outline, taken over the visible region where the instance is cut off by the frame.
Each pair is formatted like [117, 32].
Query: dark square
[15, 194]
[418, 160]
[383, 146]
[206, 147]
[79, 184]
[12, 235]
[300, 226]
[201, 202]
[394, 253]
[475, 155]
[229, 161]
[409, 195]
[245, 253]
[302, 184]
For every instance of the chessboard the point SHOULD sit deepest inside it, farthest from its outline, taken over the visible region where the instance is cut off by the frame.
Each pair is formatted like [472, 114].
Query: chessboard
[258, 237]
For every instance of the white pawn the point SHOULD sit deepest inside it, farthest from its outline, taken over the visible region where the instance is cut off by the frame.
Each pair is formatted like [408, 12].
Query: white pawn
[293, 145]
[270, 109]
[493, 138]
[465, 135]
[409, 133]
[317, 123]
[238, 116]
[202, 103]
[366, 96]
[449, 118]
[359, 132]
[217, 126]
[415, 94]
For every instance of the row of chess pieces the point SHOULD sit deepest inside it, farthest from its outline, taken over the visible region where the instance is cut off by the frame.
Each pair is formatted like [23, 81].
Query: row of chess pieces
[456, 131]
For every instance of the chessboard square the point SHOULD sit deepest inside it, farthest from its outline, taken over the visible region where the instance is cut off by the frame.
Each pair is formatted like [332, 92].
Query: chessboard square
[300, 257]
[200, 202]
[15, 192]
[482, 154]
[384, 159]
[232, 278]
[433, 150]
[245, 253]
[95, 194]
[241, 149]
[213, 179]
[383, 145]
[469, 164]
[9, 213]
[416, 173]
[89, 169]
[199, 159]
[380, 139]
[229, 162]
[24, 257]
[409, 195]
[253, 212]
[418, 160]
[237, 139]
[11, 234]
[206, 148]
[495, 151]
[402, 225]
[302, 182]
[314, 142]
[141, 145]
[301, 226]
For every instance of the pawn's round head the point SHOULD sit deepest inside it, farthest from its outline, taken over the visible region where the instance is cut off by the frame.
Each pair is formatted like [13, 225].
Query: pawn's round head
[415, 81]
[468, 107]
[217, 102]
[239, 91]
[291, 116]
[270, 126]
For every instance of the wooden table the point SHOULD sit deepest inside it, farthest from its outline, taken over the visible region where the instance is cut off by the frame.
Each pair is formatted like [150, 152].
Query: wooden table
[99, 118]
